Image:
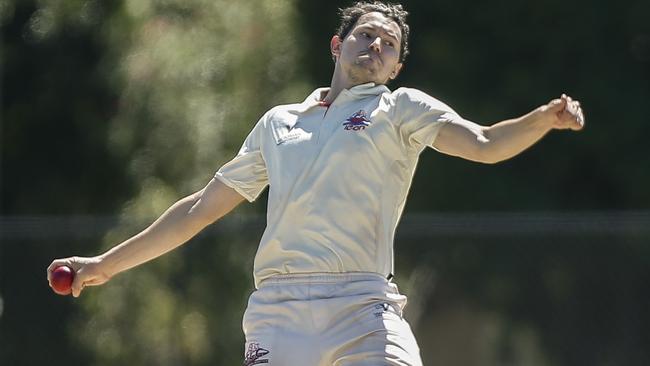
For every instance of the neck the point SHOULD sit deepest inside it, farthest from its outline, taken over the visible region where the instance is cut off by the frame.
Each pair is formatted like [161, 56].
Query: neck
[339, 82]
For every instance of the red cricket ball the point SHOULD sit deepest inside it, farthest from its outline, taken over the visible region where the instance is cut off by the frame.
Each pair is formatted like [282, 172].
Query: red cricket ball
[61, 280]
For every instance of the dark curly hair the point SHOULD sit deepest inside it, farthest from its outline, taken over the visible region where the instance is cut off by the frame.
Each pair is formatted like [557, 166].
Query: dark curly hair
[350, 16]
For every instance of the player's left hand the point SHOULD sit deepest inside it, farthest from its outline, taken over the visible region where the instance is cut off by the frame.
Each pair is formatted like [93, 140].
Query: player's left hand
[565, 113]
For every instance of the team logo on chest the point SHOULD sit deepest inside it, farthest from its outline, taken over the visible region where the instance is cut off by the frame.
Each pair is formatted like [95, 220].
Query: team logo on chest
[356, 122]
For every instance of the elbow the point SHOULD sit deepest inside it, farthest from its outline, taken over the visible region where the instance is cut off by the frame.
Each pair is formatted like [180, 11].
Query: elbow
[488, 151]
[199, 218]
[490, 158]
[488, 161]
[203, 214]
[199, 222]
[485, 153]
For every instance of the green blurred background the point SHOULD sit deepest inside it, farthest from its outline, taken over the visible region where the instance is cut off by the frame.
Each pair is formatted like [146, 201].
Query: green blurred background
[111, 110]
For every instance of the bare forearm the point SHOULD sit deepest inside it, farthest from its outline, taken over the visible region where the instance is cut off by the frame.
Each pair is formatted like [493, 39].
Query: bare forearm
[178, 224]
[508, 138]
[173, 228]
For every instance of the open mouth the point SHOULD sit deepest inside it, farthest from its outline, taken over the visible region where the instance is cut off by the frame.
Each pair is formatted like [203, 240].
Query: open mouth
[367, 56]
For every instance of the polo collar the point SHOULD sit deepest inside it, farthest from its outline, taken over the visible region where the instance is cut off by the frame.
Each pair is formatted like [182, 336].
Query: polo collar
[356, 92]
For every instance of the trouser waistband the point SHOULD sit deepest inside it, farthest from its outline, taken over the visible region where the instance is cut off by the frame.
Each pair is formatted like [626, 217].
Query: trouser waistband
[322, 278]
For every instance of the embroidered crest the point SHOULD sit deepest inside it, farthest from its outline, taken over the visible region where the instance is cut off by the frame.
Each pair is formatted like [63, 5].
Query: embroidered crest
[356, 122]
[254, 355]
[380, 309]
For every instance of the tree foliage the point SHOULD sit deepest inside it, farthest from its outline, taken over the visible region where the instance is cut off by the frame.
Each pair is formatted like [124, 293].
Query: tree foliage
[182, 82]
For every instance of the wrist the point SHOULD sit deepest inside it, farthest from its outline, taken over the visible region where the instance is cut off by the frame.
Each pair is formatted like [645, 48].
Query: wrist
[106, 265]
[543, 117]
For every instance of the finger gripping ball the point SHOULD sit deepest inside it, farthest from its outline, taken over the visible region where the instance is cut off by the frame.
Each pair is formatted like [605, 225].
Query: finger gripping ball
[62, 278]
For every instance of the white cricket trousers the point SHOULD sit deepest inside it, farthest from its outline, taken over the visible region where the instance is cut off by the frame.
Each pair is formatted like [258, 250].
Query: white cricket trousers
[328, 319]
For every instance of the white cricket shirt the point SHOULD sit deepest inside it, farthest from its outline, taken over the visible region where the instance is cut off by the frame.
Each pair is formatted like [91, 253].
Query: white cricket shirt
[338, 177]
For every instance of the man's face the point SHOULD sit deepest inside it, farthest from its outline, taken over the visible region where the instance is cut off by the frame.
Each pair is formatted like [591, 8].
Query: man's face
[370, 52]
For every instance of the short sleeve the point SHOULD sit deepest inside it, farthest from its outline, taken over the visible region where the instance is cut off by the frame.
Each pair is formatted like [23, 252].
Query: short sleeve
[246, 173]
[420, 117]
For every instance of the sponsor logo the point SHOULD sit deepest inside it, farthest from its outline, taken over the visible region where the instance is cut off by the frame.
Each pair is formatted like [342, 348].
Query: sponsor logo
[254, 355]
[289, 137]
[356, 122]
[294, 136]
[380, 309]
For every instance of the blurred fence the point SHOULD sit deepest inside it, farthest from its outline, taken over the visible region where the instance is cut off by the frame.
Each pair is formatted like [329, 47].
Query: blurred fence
[412, 226]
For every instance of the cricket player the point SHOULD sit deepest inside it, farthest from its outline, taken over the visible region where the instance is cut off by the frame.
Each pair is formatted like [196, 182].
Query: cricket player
[339, 166]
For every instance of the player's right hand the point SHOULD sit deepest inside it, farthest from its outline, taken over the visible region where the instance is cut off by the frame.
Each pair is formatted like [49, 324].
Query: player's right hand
[565, 113]
[88, 272]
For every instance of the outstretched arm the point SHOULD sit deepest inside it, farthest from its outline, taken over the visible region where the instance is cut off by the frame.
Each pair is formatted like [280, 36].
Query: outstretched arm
[178, 224]
[503, 140]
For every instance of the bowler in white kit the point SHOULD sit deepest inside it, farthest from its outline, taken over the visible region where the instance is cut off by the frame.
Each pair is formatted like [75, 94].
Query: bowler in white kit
[338, 166]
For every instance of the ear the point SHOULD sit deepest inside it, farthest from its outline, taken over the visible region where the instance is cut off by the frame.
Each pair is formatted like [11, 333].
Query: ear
[335, 46]
[396, 71]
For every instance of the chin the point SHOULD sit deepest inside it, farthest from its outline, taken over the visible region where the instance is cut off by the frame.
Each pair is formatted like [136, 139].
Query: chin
[362, 74]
